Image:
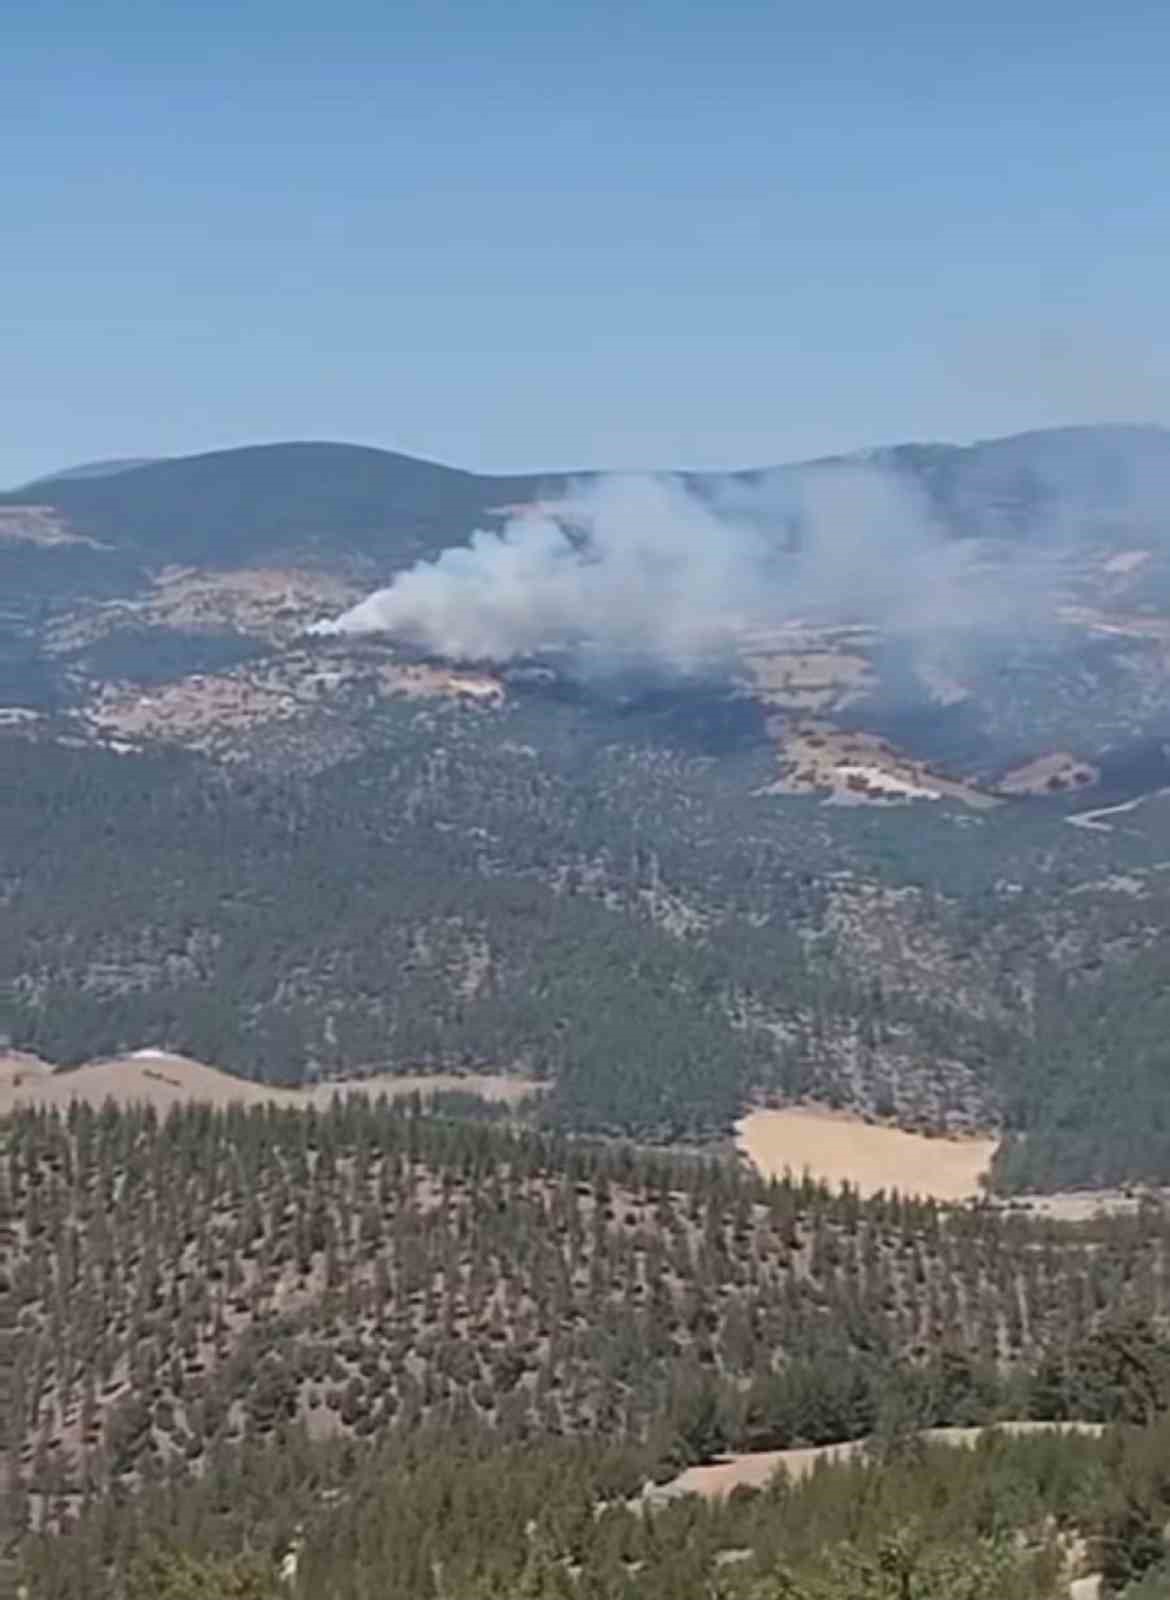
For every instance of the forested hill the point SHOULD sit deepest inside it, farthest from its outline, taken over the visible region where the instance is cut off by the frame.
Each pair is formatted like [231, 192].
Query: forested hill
[438, 1360]
[262, 502]
[342, 502]
[90, 469]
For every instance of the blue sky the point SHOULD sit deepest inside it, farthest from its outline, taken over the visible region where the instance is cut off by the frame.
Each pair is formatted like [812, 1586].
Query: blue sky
[515, 235]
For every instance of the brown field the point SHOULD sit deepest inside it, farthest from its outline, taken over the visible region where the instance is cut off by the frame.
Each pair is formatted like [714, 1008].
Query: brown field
[273, 603]
[831, 1145]
[841, 1148]
[204, 708]
[249, 598]
[157, 1078]
[418, 681]
[755, 1469]
[201, 707]
[860, 769]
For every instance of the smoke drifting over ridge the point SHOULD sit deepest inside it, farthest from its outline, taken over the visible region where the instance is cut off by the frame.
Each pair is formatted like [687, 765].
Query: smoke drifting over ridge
[644, 569]
[950, 547]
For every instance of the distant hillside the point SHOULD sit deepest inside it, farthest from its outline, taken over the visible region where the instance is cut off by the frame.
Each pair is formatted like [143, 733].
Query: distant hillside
[1108, 478]
[341, 503]
[271, 502]
[91, 469]
[843, 868]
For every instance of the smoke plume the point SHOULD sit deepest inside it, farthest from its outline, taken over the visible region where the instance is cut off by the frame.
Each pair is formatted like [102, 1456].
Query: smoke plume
[645, 569]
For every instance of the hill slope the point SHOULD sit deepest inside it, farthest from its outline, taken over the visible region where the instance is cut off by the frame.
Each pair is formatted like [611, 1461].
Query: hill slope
[252, 506]
[89, 469]
[411, 1351]
[839, 868]
[344, 502]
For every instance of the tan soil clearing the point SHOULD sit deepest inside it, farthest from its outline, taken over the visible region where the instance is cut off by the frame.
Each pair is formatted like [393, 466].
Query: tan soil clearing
[157, 1078]
[272, 603]
[18, 1068]
[203, 707]
[756, 1468]
[858, 769]
[840, 1148]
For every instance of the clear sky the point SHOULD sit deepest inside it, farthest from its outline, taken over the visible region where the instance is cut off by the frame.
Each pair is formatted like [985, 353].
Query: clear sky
[512, 234]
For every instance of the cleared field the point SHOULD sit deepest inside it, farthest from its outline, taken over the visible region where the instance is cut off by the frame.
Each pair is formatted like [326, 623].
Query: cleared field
[757, 1468]
[854, 768]
[155, 1077]
[840, 1148]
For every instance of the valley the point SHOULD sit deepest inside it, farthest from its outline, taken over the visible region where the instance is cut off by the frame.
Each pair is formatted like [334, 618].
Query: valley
[830, 861]
[584, 803]
[511, 1101]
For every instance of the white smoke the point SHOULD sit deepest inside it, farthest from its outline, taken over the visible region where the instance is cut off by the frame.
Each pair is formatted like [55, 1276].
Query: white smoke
[630, 565]
[641, 568]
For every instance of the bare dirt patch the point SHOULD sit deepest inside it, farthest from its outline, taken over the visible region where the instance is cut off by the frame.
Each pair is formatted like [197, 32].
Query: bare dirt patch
[756, 1469]
[195, 709]
[859, 769]
[18, 1069]
[160, 1079]
[839, 1148]
[272, 603]
[206, 709]
[418, 680]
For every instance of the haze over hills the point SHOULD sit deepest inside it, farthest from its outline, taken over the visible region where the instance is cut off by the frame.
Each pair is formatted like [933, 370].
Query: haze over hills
[936, 583]
[651, 788]
[348, 501]
[337, 502]
[88, 469]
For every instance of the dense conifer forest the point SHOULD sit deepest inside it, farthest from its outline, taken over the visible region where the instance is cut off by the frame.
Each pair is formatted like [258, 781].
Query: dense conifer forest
[632, 924]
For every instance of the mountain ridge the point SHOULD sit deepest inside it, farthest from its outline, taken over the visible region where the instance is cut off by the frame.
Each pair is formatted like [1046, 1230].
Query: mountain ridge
[335, 501]
[104, 468]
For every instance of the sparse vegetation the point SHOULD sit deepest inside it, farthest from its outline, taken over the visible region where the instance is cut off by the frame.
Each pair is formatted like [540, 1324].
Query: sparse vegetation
[358, 1337]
